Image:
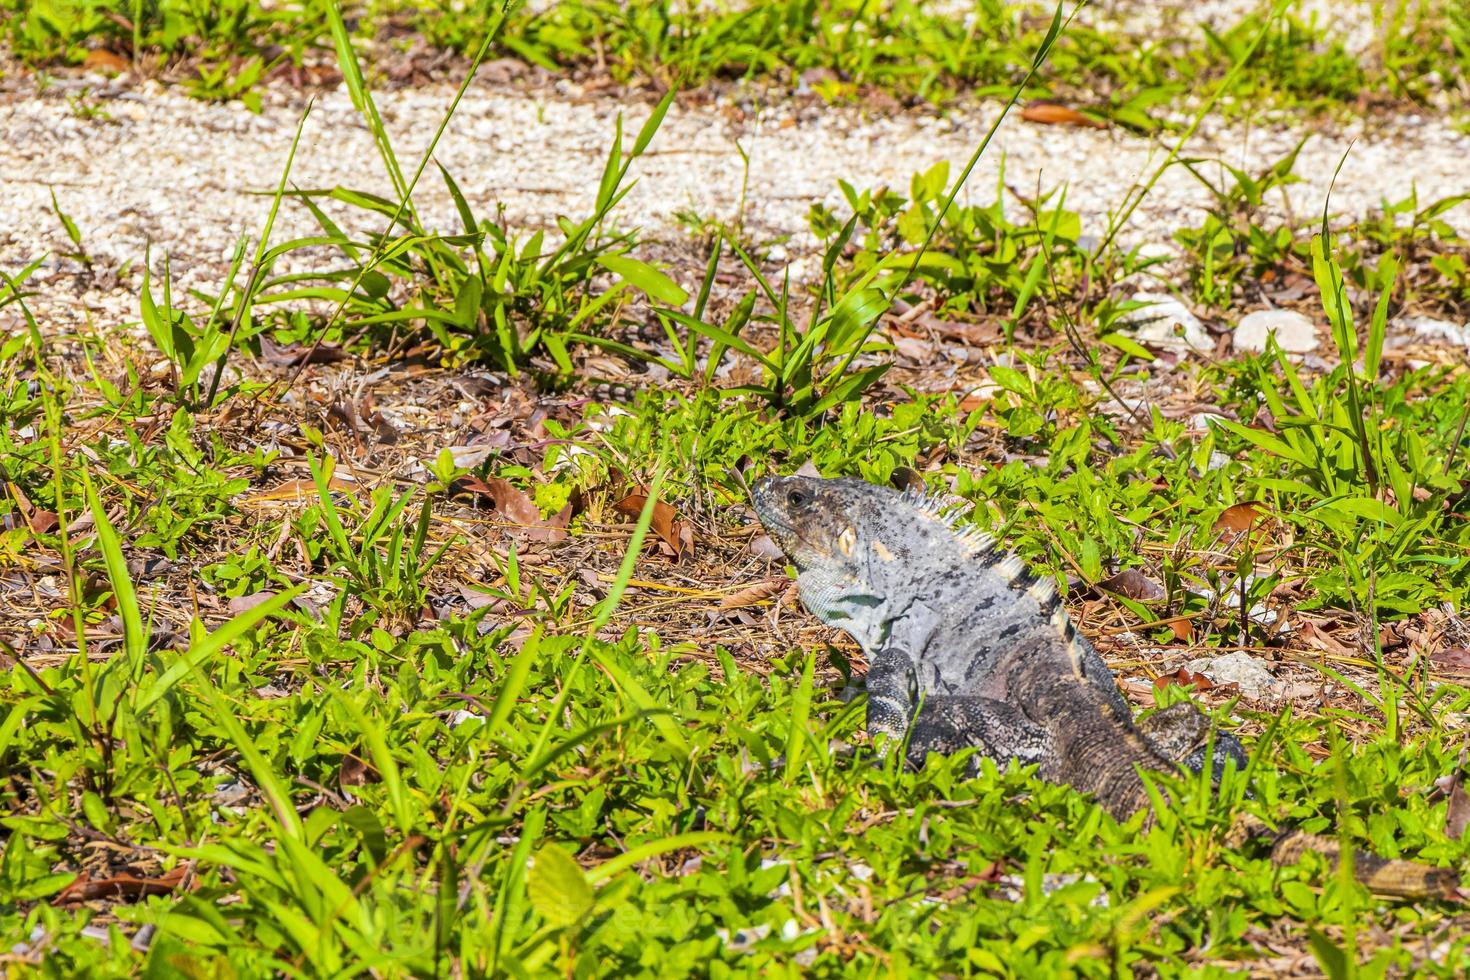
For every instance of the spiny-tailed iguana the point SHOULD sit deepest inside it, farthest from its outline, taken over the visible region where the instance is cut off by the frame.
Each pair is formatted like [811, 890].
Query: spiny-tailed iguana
[967, 649]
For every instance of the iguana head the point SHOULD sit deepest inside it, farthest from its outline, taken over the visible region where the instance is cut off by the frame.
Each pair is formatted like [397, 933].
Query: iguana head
[861, 527]
[819, 523]
[866, 556]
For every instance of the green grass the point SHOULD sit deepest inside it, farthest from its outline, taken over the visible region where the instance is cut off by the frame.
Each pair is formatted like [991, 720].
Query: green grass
[427, 762]
[341, 722]
[841, 50]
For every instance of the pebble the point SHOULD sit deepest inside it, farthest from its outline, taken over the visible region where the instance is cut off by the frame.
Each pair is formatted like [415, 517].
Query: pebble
[1428, 328]
[1295, 332]
[1168, 323]
[1238, 668]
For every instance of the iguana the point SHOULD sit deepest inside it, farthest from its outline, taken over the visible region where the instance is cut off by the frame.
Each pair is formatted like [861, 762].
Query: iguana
[966, 648]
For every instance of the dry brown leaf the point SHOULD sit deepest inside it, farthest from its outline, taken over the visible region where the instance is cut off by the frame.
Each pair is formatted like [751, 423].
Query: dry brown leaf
[808, 469]
[1452, 660]
[763, 547]
[517, 508]
[915, 349]
[755, 594]
[1184, 678]
[1389, 638]
[970, 334]
[39, 521]
[906, 478]
[978, 398]
[1054, 114]
[1457, 814]
[1244, 525]
[1182, 628]
[1130, 583]
[476, 599]
[87, 889]
[355, 772]
[293, 355]
[575, 504]
[99, 59]
[241, 603]
[677, 534]
[1138, 692]
[298, 491]
[1319, 639]
[1242, 517]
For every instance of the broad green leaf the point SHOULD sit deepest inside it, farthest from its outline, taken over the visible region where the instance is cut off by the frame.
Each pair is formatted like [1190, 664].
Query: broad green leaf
[1366, 507]
[655, 119]
[657, 285]
[1127, 345]
[1378, 326]
[854, 314]
[1265, 440]
[796, 736]
[1331, 957]
[135, 638]
[558, 888]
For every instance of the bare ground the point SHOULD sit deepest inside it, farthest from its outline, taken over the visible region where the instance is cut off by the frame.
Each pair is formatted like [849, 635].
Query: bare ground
[141, 165]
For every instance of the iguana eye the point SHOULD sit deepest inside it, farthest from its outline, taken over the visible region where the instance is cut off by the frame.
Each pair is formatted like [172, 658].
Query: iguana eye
[798, 498]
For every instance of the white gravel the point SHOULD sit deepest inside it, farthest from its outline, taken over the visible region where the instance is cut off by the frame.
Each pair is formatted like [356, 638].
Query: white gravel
[189, 177]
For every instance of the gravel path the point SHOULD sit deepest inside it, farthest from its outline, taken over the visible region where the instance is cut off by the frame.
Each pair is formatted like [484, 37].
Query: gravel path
[188, 176]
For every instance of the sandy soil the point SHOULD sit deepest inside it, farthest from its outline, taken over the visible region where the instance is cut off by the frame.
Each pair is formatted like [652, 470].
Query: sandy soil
[154, 167]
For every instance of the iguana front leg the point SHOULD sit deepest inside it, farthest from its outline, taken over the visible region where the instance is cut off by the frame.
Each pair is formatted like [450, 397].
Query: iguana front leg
[1180, 732]
[893, 694]
[945, 723]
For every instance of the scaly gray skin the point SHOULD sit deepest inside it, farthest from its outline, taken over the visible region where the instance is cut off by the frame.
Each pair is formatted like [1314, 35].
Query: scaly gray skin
[892, 571]
[965, 647]
[967, 650]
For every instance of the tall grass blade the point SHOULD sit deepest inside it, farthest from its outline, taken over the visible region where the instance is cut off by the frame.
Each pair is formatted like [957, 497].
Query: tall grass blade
[135, 634]
[244, 300]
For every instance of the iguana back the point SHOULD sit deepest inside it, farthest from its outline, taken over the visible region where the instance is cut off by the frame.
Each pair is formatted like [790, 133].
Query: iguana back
[893, 569]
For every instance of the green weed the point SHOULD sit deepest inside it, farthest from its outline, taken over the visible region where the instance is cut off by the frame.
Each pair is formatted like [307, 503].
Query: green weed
[836, 49]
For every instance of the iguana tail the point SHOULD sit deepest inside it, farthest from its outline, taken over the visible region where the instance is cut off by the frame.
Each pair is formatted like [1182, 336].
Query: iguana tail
[1094, 750]
[1389, 877]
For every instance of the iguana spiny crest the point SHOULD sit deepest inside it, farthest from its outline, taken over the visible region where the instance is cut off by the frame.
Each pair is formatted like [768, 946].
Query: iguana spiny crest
[896, 570]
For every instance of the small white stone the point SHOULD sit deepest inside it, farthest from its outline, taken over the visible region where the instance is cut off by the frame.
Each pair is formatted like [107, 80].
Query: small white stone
[1157, 250]
[1200, 421]
[984, 391]
[1295, 333]
[804, 268]
[1168, 323]
[1430, 328]
[1238, 668]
